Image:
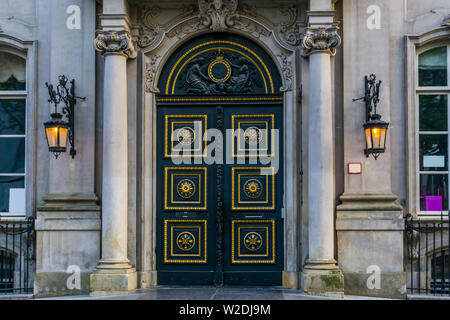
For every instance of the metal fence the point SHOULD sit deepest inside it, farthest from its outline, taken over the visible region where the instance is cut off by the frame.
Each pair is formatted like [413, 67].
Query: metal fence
[16, 256]
[428, 255]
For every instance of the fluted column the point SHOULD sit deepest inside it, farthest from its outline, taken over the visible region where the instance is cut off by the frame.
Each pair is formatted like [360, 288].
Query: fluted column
[114, 273]
[319, 44]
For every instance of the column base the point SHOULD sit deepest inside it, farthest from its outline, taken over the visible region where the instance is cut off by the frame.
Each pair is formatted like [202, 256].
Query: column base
[113, 278]
[291, 279]
[322, 278]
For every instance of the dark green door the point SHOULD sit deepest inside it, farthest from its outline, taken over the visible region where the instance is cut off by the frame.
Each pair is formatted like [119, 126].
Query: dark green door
[219, 222]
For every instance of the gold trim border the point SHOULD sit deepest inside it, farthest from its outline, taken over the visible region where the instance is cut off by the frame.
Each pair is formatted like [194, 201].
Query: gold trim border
[205, 170]
[252, 202]
[205, 222]
[223, 48]
[266, 228]
[218, 99]
[212, 43]
[167, 116]
[272, 151]
[199, 254]
[272, 221]
[233, 189]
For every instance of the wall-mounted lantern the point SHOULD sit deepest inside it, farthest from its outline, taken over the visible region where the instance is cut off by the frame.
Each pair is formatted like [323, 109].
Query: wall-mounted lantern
[58, 131]
[375, 129]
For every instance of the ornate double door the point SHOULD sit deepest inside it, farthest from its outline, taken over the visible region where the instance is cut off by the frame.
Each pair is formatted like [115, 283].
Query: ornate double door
[220, 192]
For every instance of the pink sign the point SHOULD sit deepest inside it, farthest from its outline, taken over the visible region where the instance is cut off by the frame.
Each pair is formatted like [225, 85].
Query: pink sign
[433, 203]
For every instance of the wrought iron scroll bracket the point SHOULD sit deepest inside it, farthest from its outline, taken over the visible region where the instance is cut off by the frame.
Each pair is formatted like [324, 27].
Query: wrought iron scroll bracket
[371, 95]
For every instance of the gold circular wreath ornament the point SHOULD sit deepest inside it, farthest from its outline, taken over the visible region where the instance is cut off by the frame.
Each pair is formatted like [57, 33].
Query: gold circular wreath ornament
[252, 136]
[253, 188]
[253, 241]
[185, 241]
[217, 62]
[186, 136]
[186, 188]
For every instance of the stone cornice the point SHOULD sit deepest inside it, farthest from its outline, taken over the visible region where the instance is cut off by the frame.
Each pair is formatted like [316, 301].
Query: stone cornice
[115, 42]
[320, 39]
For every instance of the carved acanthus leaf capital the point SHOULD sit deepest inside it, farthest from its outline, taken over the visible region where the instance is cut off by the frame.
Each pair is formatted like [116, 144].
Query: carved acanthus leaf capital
[320, 39]
[115, 42]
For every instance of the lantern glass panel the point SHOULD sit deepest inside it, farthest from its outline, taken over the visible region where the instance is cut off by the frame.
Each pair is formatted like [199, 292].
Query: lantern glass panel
[378, 137]
[52, 136]
[368, 138]
[63, 137]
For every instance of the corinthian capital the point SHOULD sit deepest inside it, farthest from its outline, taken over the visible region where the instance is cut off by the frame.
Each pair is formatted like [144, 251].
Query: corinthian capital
[320, 40]
[115, 42]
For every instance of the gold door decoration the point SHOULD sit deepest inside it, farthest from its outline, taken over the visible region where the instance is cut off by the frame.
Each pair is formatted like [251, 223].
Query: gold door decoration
[247, 181]
[185, 241]
[184, 135]
[253, 241]
[185, 188]
[242, 50]
[255, 135]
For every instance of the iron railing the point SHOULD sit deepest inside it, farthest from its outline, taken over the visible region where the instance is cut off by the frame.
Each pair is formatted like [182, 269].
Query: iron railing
[16, 256]
[428, 271]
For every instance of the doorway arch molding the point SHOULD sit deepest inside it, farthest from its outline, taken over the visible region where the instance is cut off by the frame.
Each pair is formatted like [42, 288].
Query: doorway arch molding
[152, 60]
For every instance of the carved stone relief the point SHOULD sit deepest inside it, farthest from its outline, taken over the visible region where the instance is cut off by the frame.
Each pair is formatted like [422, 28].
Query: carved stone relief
[219, 73]
[320, 39]
[287, 72]
[115, 42]
[150, 72]
[217, 15]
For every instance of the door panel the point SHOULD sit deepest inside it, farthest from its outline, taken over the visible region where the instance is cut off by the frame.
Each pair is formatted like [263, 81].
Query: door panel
[254, 189]
[185, 192]
[219, 223]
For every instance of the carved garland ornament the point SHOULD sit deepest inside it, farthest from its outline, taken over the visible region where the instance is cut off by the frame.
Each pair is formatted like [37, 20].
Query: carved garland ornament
[320, 40]
[150, 72]
[118, 42]
[288, 73]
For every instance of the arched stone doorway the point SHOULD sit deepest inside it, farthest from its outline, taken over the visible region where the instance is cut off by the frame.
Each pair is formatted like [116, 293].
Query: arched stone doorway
[219, 219]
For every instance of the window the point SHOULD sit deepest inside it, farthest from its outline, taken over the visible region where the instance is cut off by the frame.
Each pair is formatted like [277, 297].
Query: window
[433, 78]
[13, 96]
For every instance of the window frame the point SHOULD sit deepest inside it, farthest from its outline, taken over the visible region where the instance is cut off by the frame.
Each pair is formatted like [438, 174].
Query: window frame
[18, 94]
[434, 90]
[26, 50]
[414, 46]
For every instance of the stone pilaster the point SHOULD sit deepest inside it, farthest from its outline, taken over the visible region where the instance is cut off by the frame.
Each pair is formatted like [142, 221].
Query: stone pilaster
[114, 273]
[321, 274]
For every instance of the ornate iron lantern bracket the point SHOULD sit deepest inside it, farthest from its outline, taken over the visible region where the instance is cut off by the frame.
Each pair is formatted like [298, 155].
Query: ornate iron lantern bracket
[67, 96]
[375, 129]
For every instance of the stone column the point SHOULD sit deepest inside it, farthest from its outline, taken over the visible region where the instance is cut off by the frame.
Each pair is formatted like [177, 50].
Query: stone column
[114, 273]
[321, 275]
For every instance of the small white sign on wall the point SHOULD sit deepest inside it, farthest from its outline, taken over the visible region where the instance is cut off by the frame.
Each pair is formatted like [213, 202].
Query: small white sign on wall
[434, 161]
[17, 201]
